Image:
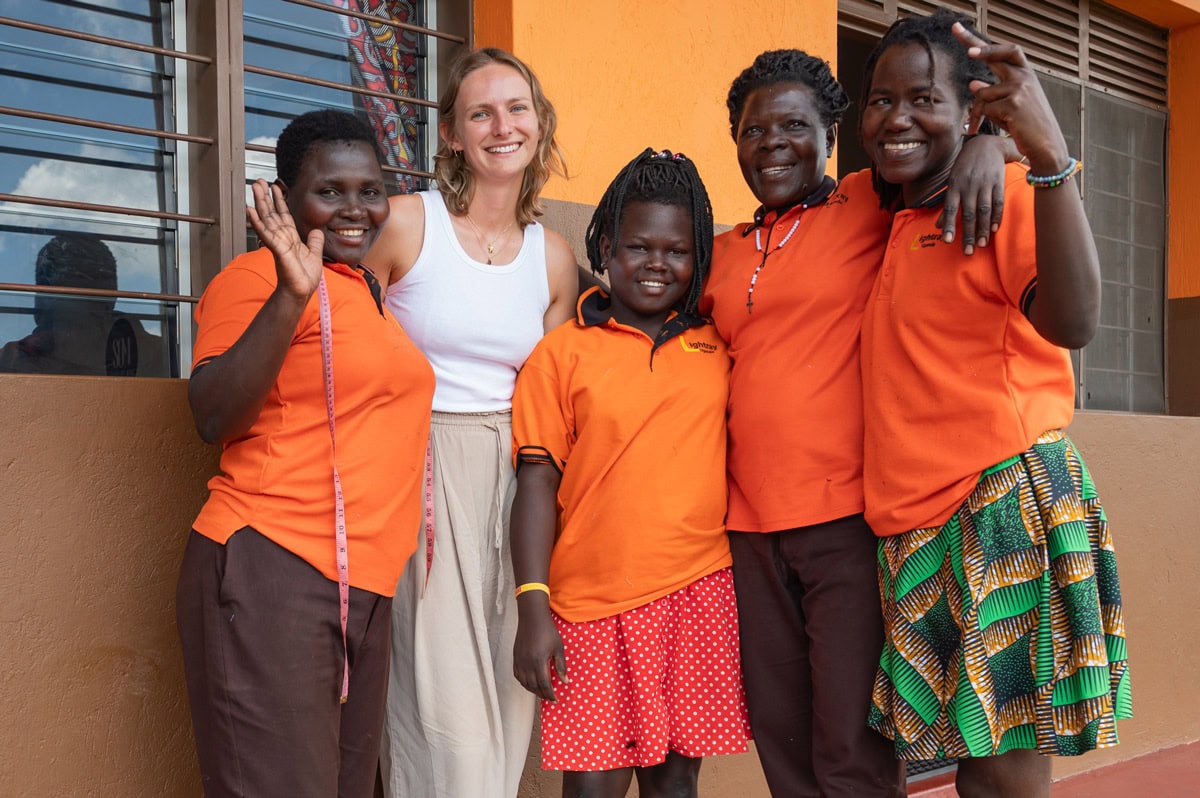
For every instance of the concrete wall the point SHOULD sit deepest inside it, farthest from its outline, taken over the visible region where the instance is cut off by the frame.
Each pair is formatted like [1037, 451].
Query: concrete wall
[101, 479]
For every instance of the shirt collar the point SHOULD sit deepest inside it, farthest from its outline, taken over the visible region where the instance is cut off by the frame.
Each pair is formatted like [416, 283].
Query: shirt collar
[367, 276]
[763, 217]
[934, 198]
[595, 310]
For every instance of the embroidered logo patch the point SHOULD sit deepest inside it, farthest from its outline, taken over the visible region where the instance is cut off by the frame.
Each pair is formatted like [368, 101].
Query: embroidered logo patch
[697, 346]
[926, 241]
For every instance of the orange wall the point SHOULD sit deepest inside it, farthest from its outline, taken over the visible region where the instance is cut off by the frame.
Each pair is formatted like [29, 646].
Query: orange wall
[101, 480]
[102, 477]
[1165, 13]
[627, 74]
[1183, 235]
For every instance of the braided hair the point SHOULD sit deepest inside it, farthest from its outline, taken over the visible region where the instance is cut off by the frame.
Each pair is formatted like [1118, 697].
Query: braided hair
[788, 66]
[665, 178]
[932, 33]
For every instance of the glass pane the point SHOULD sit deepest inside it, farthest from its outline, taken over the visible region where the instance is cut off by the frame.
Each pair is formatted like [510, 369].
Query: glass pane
[52, 334]
[1114, 310]
[59, 161]
[34, 246]
[54, 74]
[1123, 194]
[1106, 389]
[1064, 97]
[344, 50]
[73, 163]
[1147, 395]
[1109, 349]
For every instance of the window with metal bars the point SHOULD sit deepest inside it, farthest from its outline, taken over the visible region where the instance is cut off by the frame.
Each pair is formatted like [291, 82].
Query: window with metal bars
[1105, 73]
[126, 127]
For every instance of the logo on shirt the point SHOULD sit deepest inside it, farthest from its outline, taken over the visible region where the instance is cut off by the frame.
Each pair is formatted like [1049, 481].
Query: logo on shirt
[925, 241]
[837, 198]
[697, 346]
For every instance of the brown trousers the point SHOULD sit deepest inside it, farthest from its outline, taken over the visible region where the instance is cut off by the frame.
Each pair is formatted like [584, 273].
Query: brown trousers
[811, 635]
[262, 651]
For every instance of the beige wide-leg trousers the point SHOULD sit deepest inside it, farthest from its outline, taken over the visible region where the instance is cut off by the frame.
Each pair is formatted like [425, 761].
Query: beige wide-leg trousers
[458, 722]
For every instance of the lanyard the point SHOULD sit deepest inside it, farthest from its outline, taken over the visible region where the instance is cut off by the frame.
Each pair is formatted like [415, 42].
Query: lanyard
[339, 503]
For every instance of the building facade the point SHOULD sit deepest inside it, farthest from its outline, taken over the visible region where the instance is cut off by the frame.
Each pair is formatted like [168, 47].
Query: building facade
[137, 123]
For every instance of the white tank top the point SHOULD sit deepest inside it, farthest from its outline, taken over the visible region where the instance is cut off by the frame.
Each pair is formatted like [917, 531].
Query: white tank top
[476, 323]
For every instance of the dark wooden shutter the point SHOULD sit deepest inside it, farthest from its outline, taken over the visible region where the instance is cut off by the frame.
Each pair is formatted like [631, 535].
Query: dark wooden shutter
[1089, 42]
[1048, 31]
[1127, 55]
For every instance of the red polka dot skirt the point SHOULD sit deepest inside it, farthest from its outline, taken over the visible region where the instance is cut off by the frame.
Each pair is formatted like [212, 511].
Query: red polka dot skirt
[661, 677]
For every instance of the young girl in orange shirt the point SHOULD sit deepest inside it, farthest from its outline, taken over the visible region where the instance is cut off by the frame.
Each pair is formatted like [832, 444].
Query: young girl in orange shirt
[627, 620]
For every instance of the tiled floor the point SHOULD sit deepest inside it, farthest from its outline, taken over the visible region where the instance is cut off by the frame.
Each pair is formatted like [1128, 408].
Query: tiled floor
[1171, 773]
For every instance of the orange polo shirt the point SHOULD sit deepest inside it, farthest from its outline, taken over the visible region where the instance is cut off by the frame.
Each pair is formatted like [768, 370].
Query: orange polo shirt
[795, 394]
[637, 428]
[278, 476]
[955, 377]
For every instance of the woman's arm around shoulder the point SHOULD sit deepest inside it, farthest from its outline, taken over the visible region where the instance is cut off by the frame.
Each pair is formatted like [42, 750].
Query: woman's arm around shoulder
[399, 243]
[563, 277]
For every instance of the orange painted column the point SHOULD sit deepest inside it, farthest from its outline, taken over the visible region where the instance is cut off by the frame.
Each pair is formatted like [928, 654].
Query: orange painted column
[494, 24]
[626, 75]
[1183, 235]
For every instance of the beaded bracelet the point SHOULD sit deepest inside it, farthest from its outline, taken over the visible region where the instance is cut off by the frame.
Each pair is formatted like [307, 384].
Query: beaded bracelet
[528, 586]
[1051, 181]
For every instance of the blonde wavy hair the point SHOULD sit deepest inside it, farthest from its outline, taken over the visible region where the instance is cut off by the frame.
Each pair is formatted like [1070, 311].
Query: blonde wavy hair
[454, 179]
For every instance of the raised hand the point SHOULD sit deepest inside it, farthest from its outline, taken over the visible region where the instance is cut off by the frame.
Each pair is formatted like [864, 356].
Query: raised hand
[298, 262]
[1016, 103]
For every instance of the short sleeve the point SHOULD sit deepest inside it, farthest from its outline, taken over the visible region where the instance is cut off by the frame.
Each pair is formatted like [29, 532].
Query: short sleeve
[542, 431]
[1016, 241]
[228, 305]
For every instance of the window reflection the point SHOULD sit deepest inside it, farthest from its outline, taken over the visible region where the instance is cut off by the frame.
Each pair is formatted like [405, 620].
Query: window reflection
[342, 49]
[75, 163]
[83, 334]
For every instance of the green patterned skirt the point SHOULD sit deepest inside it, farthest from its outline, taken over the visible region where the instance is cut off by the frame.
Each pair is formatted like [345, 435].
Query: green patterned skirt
[1004, 626]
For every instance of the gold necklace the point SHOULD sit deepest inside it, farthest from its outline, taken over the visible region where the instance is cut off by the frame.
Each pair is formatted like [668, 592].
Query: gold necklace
[491, 248]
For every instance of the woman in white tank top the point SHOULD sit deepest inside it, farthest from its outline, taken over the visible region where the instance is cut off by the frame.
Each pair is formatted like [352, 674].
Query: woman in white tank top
[475, 281]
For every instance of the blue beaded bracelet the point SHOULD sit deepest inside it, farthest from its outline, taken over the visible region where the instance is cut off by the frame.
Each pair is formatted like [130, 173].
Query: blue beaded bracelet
[1051, 181]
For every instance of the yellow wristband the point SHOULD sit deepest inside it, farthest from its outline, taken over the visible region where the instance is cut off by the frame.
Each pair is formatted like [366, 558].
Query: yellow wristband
[528, 586]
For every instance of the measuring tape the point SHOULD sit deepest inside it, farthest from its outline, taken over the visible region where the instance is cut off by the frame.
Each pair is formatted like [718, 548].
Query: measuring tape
[428, 501]
[339, 503]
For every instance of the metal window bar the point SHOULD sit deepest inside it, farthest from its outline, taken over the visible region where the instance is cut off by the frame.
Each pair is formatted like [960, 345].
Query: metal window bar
[25, 288]
[119, 210]
[95, 39]
[437, 34]
[110, 126]
[329, 84]
[388, 169]
[113, 126]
